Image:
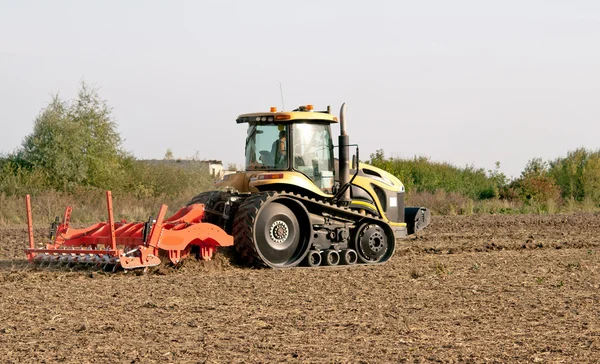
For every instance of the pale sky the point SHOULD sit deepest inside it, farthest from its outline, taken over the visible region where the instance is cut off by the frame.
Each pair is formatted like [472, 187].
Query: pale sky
[466, 82]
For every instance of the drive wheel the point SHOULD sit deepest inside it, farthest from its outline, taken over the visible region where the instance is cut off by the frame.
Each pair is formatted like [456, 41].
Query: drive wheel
[206, 198]
[212, 201]
[372, 244]
[267, 232]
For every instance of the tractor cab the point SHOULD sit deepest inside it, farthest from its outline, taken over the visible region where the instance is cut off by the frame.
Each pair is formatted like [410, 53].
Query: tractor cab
[298, 144]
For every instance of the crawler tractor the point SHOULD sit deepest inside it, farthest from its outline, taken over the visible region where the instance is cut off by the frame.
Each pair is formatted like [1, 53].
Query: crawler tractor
[294, 203]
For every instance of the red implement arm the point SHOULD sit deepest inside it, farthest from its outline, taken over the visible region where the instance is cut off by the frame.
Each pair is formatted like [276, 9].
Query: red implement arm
[130, 244]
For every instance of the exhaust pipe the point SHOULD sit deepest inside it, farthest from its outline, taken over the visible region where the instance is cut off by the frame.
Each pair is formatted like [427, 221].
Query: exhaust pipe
[344, 169]
[343, 119]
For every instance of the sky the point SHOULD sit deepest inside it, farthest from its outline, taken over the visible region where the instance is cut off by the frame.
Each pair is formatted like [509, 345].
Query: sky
[464, 82]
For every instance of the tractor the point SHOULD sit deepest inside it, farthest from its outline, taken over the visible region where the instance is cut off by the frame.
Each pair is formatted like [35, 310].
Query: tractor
[296, 203]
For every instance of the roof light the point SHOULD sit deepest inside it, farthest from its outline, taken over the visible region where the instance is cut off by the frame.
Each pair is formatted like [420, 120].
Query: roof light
[282, 117]
[309, 108]
[273, 109]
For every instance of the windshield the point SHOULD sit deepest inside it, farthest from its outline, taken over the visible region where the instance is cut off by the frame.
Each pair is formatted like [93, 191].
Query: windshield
[313, 153]
[266, 147]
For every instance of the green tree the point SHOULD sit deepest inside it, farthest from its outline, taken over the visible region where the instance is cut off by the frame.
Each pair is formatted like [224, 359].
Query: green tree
[578, 174]
[536, 185]
[498, 184]
[75, 143]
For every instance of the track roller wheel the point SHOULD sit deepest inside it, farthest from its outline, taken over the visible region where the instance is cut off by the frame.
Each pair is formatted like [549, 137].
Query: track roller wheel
[373, 245]
[349, 257]
[313, 259]
[271, 231]
[331, 257]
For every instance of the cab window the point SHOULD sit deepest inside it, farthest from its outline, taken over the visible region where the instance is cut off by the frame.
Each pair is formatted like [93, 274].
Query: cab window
[266, 147]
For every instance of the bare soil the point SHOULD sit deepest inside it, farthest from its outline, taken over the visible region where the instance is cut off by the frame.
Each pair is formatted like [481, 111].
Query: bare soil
[482, 288]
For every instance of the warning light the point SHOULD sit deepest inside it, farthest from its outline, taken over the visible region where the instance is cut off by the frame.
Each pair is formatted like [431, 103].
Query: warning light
[273, 109]
[270, 176]
[309, 107]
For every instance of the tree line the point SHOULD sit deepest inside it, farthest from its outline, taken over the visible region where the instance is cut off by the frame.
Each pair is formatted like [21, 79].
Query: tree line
[75, 148]
[565, 183]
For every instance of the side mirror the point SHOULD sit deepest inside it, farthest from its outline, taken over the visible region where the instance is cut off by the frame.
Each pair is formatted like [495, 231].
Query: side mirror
[355, 159]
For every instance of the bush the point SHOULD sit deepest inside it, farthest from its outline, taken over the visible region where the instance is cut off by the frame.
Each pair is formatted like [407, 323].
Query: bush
[536, 186]
[422, 175]
[578, 175]
[145, 179]
[16, 180]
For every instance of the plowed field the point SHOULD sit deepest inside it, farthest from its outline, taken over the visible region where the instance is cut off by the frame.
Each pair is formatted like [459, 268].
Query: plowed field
[469, 289]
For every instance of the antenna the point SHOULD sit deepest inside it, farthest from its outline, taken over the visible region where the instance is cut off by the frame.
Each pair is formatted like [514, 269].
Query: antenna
[281, 92]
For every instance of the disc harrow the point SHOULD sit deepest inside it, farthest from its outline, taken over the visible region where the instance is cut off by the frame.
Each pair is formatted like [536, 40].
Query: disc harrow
[128, 244]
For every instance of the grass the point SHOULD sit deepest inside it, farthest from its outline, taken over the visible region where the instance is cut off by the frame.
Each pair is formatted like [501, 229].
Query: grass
[91, 206]
[441, 269]
[88, 207]
[453, 203]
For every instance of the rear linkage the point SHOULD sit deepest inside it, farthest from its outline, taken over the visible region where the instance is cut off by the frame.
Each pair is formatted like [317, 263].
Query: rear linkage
[128, 244]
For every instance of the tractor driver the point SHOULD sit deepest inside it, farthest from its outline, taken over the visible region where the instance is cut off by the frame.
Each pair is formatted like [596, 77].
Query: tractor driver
[278, 150]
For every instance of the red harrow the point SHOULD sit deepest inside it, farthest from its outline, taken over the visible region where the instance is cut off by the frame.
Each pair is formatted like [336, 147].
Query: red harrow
[129, 244]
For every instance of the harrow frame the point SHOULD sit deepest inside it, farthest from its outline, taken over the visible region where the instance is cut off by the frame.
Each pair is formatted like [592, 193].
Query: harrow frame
[129, 244]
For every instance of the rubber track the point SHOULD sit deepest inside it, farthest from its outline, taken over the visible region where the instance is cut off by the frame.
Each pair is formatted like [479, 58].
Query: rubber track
[203, 198]
[246, 215]
[243, 228]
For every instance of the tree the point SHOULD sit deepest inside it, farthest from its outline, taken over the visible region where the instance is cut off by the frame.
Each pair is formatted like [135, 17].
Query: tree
[75, 143]
[499, 185]
[536, 185]
[578, 174]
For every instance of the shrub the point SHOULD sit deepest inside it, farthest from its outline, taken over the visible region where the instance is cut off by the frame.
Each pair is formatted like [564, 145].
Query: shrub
[422, 175]
[536, 186]
[145, 179]
[578, 175]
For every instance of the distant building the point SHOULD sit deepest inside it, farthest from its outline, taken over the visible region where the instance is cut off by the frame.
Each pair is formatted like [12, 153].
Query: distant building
[215, 168]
